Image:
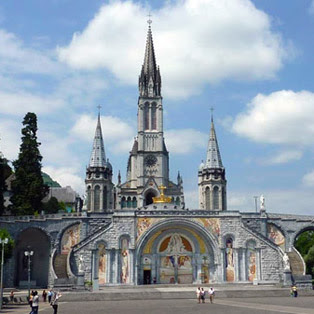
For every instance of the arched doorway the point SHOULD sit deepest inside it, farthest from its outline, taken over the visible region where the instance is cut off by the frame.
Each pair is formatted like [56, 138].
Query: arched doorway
[177, 253]
[149, 197]
[36, 240]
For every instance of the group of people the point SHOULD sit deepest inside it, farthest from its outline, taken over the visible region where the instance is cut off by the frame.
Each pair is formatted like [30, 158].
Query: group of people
[201, 293]
[53, 298]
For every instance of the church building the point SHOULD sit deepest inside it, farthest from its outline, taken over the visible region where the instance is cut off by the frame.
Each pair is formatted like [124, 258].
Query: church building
[140, 231]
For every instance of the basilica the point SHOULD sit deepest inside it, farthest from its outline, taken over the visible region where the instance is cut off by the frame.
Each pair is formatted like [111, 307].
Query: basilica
[140, 231]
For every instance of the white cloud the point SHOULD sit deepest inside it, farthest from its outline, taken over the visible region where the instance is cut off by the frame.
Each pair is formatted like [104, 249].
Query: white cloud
[308, 179]
[283, 157]
[191, 199]
[184, 141]
[214, 40]
[282, 117]
[113, 128]
[294, 201]
[16, 57]
[24, 102]
[66, 176]
[10, 138]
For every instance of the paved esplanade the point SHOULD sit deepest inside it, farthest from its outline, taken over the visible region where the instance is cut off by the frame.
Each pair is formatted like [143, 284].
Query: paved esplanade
[301, 305]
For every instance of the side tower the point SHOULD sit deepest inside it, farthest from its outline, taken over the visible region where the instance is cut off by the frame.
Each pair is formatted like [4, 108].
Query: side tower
[148, 164]
[211, 177]
[99, 187]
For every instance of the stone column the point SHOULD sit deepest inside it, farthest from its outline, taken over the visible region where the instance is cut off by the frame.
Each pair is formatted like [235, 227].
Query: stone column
[95, 269]
[154, 266]
[131, 266]
[198, 266]
[236, 264]
[116, 272]
[244, 267]
[223, 265]
[258, 265]
[108, 265]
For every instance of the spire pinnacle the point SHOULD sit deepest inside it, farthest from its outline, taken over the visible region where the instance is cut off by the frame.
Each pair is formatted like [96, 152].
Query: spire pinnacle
[213, 159]
[149, 80]
[98, 156]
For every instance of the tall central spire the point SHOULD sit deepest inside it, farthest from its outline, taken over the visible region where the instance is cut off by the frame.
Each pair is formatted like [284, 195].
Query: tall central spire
[149, 80]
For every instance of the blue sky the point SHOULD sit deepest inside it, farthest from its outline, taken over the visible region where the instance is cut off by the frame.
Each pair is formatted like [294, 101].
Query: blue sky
[252, 61]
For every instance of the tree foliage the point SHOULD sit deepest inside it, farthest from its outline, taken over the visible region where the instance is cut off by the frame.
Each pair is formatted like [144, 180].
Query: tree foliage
[304, 242]
[305, 245]
[8, 248]
[52, 206]
[28, 187]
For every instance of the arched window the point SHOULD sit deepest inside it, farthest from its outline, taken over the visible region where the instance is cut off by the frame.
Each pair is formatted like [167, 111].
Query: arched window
[129, 202]
[146, 117]
[97, 198]
[89, 198]
[154, 123]
[207, 198]
[149, 198]
[105, 198]
[123, 202]
[216, 197]
[223, 199]
[134, 202]
[229, 263]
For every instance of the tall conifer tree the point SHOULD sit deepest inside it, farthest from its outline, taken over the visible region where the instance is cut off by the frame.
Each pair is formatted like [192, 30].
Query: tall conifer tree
[3, 188]
[28, 187]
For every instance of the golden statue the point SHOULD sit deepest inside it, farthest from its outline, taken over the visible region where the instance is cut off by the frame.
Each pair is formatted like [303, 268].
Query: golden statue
[162, 198]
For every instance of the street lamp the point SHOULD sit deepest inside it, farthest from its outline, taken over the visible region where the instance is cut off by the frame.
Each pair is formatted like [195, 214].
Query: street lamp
[3, 242]
[28, 254]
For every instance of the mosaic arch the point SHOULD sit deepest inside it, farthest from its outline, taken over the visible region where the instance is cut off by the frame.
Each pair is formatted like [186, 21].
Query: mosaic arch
[176, 254]
[276, 236]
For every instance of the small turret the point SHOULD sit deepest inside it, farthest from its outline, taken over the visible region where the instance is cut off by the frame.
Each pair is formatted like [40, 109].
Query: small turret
[211, 176]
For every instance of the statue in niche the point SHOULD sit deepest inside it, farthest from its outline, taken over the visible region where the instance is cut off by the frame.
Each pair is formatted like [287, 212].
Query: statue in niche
[176, 245]
[286, 262]
[81, 267]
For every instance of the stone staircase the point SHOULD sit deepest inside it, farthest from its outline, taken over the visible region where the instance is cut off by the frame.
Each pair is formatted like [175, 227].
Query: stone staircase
[60, 265]
[296, 263]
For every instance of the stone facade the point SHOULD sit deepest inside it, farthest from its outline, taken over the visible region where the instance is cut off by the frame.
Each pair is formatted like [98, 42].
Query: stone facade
[121, 237]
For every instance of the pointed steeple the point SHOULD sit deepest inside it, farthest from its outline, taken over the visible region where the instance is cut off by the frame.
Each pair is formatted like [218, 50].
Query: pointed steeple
[150, 79]
[98, 156]
[213, 159]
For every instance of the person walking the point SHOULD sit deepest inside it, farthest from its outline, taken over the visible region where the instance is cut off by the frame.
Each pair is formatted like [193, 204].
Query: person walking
[55, 301]
[44, 296]
[198, 294]
[12, 296]
[49, 295]
[295, 291]
[35, 303]
[30, 301]
[211, 293]
[202, 295]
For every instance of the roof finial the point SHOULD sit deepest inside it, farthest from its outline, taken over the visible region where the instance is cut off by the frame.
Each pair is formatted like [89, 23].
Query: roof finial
[212, 113]
[99, 107]
[149, 21]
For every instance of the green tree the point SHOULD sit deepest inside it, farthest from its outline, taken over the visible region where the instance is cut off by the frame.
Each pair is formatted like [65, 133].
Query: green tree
[52, 206]
[28, 187]
[309, 261]
[8, 248]
[304, 242]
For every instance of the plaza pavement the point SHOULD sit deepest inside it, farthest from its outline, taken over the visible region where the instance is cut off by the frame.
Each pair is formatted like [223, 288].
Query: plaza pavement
[274, 305]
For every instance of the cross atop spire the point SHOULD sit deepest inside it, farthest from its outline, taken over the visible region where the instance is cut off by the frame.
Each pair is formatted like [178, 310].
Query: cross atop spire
[149, 21]
[212, 114]
[99, 107]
